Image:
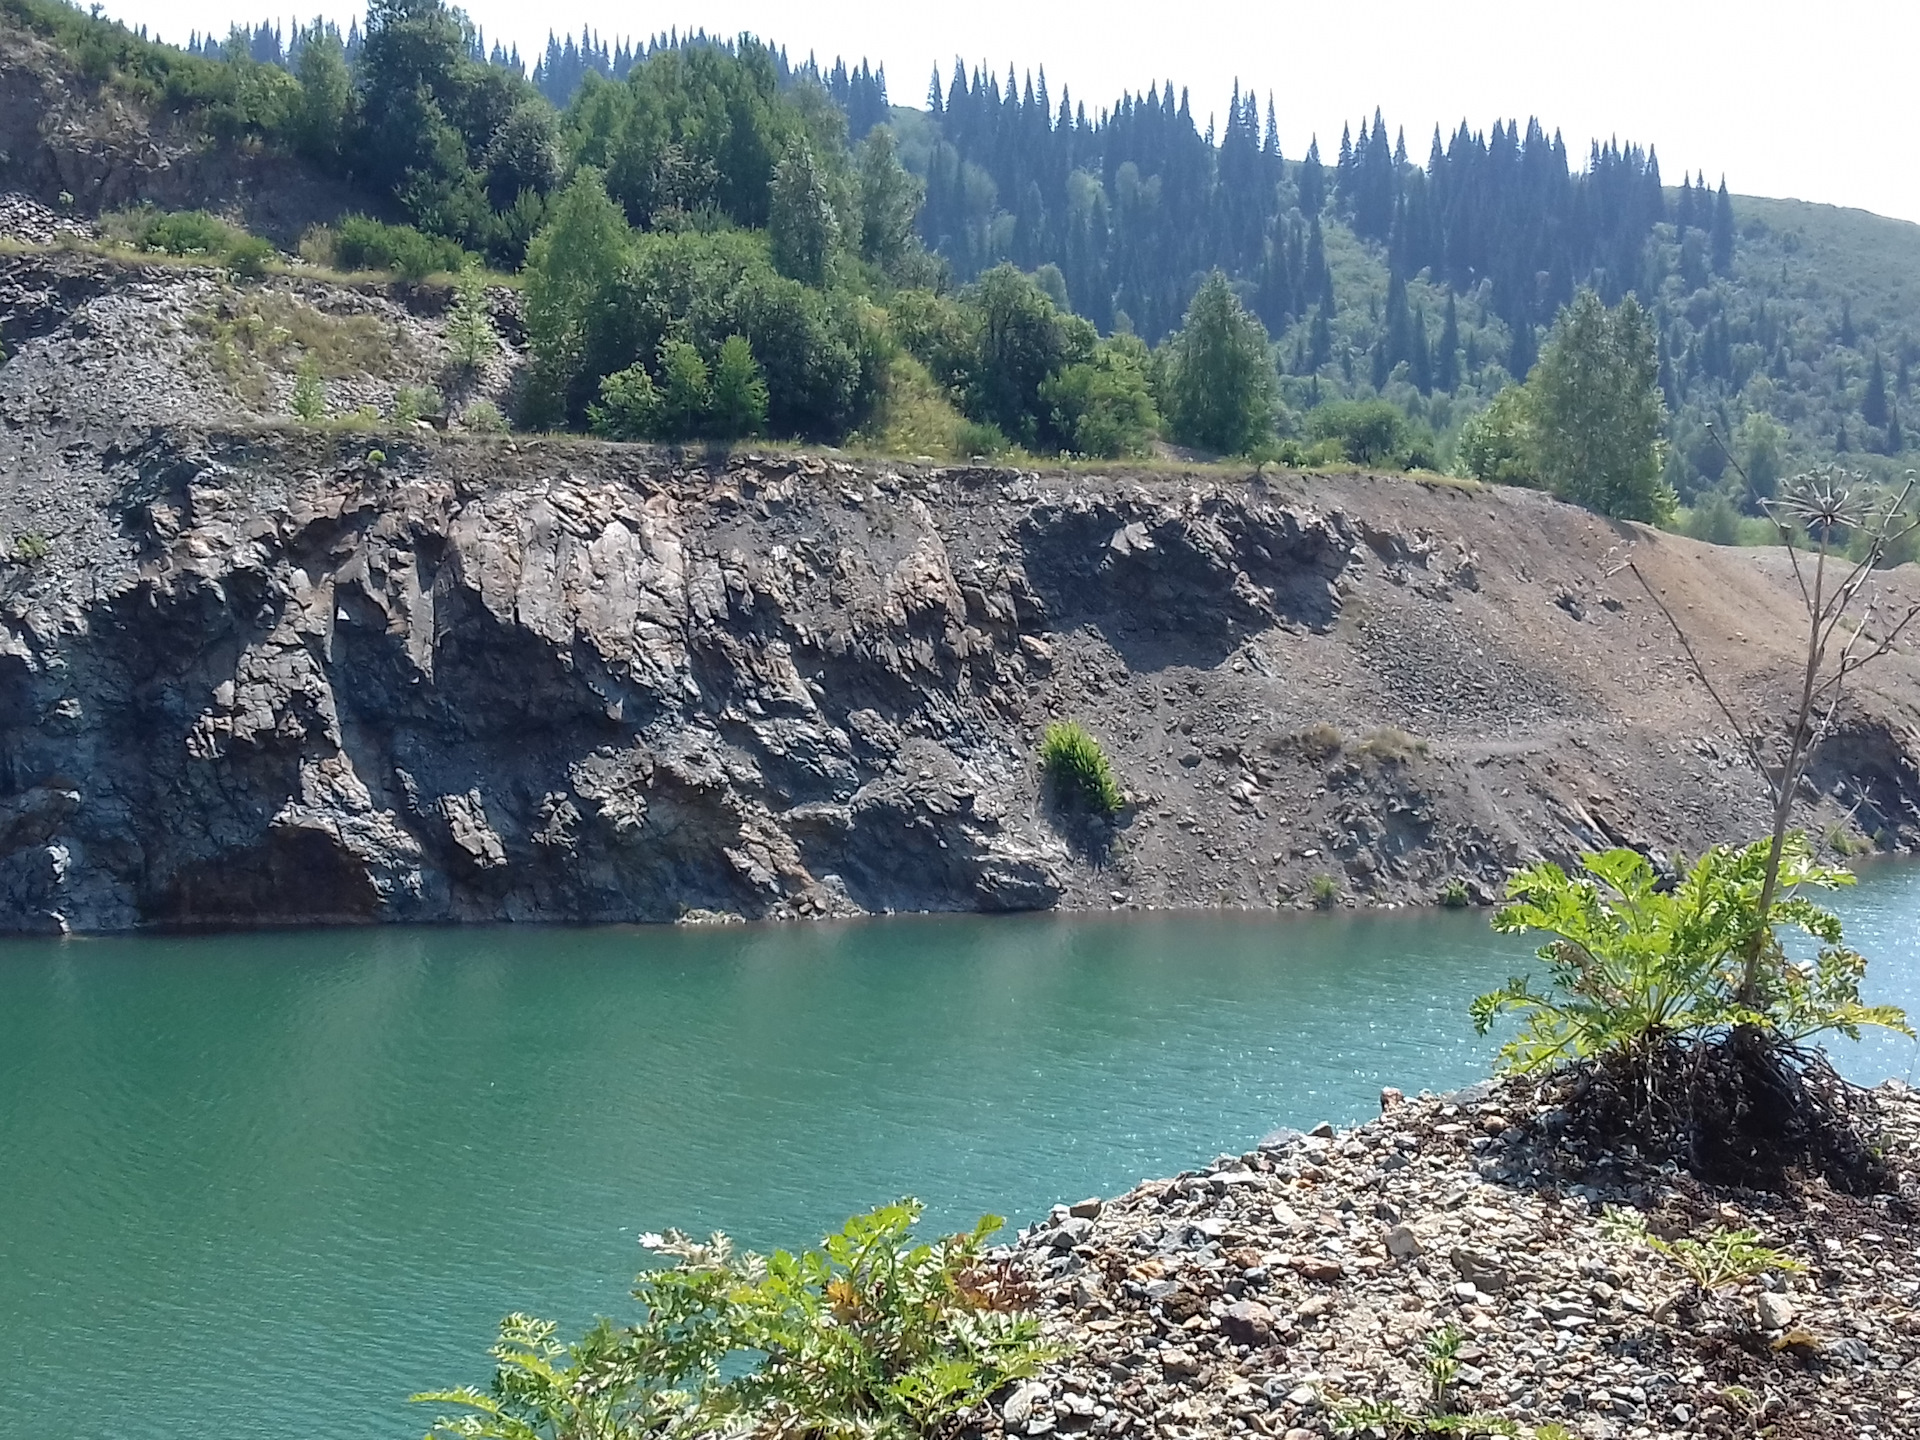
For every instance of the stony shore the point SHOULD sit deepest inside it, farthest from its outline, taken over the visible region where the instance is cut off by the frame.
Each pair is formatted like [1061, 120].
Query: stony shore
[1271, 1291]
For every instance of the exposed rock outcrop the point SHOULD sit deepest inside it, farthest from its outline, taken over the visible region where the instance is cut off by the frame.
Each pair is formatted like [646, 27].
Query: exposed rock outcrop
[251, 672]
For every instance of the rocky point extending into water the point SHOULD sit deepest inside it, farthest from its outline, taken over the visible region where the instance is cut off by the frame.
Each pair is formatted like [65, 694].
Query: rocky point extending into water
[1269, 1292]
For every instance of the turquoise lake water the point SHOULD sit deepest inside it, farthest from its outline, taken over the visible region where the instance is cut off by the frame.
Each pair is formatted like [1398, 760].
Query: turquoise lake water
[267, 1185]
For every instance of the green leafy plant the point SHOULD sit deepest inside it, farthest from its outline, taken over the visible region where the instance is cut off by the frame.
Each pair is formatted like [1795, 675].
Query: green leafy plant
[982, 439]
[29, 548]
[416, 402]
[247, 257]
[1078, 769]
[483, 417]
[359, 243]
[1437, 1413]
[470, 332]
[629, 405]
[873, 1336]
[309, 399]
[186, 232]
[1454, 894]
[739, 402]
[1634, 965]
[1324, 891]
[1723, 1260]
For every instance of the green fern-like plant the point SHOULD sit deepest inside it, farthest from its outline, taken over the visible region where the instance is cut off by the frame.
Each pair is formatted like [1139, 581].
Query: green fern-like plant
[1634, 965]
[874, 1335]
[1723, 1260]
[1078, 769]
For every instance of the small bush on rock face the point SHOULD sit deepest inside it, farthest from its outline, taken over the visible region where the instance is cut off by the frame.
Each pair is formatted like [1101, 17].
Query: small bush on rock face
[416, 402]
[363, 244]
[873, 1335]
[29, 548]
[186, 232]
[309, 399]
[483, 417]
[1078, 769]
[1391, 746]
[1454, 895]
[1324, 891]
[248, 256]
[1319, 742]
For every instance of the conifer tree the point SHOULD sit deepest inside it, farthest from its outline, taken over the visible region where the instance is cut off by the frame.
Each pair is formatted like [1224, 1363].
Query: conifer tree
[1446, 359]
[1723, 232]
[1873, 404]
[1221, 379]
[1313, 181]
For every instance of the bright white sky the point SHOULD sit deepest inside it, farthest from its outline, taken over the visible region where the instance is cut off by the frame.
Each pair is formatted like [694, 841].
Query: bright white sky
[1806, 100]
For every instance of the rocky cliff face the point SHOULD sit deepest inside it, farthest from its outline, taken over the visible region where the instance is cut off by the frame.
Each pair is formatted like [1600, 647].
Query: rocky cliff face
[256, 673]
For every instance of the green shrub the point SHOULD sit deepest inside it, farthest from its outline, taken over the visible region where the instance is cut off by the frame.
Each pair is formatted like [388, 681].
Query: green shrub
[186, 232]
[1103, 407]
[416, 402]
[977, 440]
[1724, 1260]
[363, 244]
[1324, 891]
[629, 405]
[470, 332]
[1634, 965]
[874, 1335]
[1078, 769]
[1454, 894]
[309, 399]
[247, 257]
[1496, 445]
[29, 548]
[739, 400]
[483, 417]
[1372, 432]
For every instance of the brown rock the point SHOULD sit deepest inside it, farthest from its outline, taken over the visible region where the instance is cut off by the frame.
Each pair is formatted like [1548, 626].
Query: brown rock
[1248, 1322]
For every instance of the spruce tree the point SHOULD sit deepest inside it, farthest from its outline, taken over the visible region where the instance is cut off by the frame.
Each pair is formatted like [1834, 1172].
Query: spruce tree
[1873, 404]
[1446, 359]
[1220, 380]
[1313, 181]
[1723, 232]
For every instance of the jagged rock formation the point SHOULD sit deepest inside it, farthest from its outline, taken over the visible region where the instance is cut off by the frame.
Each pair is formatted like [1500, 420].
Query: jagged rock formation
[255, 673]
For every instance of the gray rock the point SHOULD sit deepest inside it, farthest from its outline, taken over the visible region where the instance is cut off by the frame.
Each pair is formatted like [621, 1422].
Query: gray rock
[1402, 1243]
[1178, 1363]
[1849, 1350]
[1775, 1311]
[1088, 1209]
[1070, 1232]
[1020, 1405]
[1479, 1269]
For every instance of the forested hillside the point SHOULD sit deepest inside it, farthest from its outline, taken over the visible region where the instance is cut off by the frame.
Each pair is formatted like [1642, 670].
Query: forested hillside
[1008, 266]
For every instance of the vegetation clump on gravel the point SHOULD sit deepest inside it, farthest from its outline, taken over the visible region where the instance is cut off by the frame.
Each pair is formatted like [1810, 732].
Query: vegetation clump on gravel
[1284, 1291]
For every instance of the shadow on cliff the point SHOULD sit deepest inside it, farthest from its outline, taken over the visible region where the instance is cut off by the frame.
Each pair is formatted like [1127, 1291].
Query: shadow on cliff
[1181, 587]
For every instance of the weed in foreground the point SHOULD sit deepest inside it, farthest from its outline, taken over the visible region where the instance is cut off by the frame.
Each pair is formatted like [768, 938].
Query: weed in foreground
[874, 1334]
